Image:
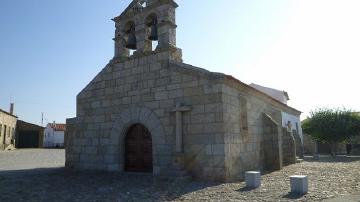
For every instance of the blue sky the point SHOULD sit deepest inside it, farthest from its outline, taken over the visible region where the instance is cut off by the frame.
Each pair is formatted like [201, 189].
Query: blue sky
[50, 50]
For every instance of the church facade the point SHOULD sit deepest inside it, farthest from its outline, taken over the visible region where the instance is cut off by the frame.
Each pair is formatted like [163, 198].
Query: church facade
[150, 112]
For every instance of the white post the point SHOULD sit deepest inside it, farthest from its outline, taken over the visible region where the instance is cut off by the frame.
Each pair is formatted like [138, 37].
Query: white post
[299, 184]
[253, 179]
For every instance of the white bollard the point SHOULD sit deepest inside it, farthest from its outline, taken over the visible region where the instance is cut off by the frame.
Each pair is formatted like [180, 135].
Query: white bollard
[299, 184]
[253, 179]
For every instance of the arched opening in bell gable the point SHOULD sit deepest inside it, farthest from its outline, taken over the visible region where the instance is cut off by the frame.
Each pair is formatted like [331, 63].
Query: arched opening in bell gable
[152, 33]
[130, 37]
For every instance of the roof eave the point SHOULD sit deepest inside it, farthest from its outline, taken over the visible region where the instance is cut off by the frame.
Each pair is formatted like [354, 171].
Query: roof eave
[229, 77]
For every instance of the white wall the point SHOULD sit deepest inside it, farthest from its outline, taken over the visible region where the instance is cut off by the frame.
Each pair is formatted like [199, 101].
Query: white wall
[52, 137]
[276, 94]
[58, 137]
[294, 120]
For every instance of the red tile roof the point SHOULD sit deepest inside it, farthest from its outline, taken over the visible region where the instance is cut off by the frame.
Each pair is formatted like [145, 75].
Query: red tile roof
[58, 126]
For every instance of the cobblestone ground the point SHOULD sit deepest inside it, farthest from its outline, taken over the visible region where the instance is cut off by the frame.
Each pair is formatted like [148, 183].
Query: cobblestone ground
[328, 178]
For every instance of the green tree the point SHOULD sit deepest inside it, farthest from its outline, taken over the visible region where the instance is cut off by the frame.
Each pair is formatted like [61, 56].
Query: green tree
[332, 126]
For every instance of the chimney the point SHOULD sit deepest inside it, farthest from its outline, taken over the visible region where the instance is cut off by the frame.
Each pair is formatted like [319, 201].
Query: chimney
[12, 108]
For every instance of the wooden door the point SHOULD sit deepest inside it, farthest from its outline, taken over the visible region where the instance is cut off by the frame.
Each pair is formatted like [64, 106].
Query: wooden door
[138, 150]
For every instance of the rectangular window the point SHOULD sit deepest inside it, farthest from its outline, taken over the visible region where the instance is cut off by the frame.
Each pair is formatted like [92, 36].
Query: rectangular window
[244, 115]
[0, 130]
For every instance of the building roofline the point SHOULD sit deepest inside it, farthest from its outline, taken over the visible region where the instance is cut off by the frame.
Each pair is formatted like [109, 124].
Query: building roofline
[273, 89]
[24, 122]
[221, 76]
[5, 112]
[260, 92]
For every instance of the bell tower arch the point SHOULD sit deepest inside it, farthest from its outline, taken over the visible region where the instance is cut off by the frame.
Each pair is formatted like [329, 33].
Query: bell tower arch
[142, 23]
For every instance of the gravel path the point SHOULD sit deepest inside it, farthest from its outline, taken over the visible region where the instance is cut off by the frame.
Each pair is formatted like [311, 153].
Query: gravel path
[328, 179]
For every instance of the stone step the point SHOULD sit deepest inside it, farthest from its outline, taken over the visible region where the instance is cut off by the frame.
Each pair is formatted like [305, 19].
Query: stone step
[175, 178]
[178, 167]
[175, 173]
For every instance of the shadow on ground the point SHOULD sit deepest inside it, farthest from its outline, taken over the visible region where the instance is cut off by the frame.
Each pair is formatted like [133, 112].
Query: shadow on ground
[59, 184]
[293, 196]
[246, 189]
[329, 159]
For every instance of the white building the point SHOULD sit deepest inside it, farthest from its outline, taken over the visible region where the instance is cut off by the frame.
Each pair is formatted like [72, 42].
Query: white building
[289, 121]
[54, 135]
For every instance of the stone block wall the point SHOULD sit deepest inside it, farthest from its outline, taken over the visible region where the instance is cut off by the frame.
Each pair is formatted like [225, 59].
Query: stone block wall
[204, 145]
[272, 144]
[126, 92]
[242, 140]
[249, 143]
[224, 133]
[288, 147]
[7, 129]
[258, 145]
[139, 84]
[309, 145]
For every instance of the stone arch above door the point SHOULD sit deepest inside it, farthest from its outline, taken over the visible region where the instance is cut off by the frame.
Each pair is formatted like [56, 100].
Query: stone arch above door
[146, 117]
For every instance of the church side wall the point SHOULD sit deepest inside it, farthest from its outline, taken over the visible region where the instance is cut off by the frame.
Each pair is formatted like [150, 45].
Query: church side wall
[244, 138]
[203, 131]
[204, 145]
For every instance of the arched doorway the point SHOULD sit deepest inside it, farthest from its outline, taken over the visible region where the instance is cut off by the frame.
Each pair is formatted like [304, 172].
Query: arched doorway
[138, 149]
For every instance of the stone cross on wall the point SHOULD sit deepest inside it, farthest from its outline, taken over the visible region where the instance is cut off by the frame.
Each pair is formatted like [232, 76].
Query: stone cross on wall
[179, 109]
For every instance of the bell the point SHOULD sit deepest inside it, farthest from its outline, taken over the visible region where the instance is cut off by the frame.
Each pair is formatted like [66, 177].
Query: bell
[131, 42]
[153, 32]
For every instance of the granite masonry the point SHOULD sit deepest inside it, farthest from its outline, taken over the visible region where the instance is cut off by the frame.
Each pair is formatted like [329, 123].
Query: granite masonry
[206, 125]
[7, 128]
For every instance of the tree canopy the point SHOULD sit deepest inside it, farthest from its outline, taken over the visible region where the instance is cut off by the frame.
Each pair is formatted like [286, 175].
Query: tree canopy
[332, 125]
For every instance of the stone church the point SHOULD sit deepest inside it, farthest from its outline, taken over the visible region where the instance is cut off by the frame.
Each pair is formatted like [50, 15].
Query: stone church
[147, 111]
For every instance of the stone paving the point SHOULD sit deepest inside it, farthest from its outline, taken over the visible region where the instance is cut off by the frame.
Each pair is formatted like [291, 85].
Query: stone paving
[328, 179]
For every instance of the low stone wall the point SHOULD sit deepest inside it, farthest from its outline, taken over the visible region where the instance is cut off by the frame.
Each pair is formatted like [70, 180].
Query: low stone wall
[309, 145]
[355, 150]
